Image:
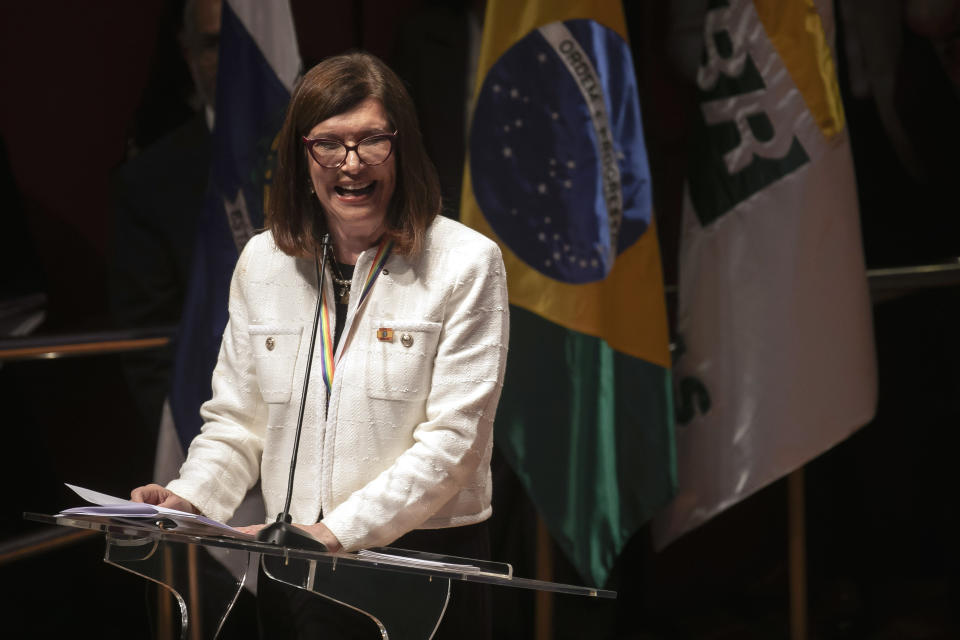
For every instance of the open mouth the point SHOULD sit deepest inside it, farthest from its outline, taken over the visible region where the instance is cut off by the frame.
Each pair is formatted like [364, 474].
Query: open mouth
[355, 191]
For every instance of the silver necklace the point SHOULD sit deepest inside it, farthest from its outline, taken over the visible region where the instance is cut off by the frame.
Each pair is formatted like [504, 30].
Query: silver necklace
[341, 285]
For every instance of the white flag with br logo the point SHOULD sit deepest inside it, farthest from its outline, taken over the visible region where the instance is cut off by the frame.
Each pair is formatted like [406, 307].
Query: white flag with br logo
[774, 360]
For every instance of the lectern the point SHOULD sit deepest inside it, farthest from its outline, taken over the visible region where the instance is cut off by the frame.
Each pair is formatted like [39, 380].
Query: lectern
[404, 592]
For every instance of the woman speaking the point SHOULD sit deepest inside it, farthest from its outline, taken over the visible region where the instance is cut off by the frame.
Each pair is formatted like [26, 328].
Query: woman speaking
[410, 354]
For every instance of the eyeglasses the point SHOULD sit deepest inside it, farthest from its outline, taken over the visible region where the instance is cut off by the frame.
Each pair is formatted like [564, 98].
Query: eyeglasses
[331, 154]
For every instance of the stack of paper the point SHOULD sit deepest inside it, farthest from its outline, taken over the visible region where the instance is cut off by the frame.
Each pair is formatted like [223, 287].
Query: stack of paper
[112, 507]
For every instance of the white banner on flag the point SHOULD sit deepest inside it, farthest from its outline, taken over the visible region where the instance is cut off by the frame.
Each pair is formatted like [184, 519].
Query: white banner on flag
[270, 24]
[775, 358]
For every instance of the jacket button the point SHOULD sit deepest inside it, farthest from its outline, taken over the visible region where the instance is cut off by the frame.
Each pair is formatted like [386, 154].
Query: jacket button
[271, 343]
[406, 340]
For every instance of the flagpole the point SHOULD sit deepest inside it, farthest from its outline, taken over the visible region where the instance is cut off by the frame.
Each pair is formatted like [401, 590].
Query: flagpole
[544, 599]
[193, 577]
[164, 598]
[797, 552]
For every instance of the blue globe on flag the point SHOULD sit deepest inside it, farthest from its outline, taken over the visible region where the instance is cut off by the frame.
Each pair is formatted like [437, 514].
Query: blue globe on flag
[558, 162]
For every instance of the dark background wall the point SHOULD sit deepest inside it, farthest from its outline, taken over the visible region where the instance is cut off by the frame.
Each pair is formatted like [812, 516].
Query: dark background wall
[84, 84]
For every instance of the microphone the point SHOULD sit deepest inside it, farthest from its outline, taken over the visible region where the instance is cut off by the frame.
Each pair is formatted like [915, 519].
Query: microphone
[282, 532]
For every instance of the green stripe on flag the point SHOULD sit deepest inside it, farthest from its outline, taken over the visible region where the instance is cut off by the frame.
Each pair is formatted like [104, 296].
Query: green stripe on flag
[589, 432]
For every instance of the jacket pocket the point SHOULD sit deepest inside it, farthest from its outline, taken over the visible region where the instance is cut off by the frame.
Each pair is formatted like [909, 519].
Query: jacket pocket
[400, 359]
[275, 350]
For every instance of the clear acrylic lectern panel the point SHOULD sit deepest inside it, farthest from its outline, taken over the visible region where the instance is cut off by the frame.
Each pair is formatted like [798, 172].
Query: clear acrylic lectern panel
[404, 592]
[188, 573]
[402, 605]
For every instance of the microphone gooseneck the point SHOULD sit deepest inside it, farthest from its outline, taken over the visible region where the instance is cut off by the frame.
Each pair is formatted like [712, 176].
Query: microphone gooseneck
[282, 532]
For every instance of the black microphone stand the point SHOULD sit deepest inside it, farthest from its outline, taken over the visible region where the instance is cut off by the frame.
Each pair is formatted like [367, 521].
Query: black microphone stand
[282, 532]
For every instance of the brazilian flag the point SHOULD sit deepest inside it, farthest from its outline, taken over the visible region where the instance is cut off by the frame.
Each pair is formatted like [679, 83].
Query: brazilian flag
[557, 174]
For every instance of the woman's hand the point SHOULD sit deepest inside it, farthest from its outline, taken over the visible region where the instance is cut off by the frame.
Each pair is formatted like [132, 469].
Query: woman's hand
[162, 497]
[318, 531]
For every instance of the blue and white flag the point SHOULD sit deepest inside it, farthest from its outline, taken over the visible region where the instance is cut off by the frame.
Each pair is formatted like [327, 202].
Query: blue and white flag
[258, 65]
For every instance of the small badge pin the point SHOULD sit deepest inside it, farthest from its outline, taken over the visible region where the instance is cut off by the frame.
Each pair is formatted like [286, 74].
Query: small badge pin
[384, 334]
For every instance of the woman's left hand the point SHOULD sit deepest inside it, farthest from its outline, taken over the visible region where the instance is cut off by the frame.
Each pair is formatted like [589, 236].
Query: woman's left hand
[318, 531]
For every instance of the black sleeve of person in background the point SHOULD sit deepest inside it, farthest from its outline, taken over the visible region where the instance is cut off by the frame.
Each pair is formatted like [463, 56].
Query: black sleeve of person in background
[21, 274]
[157, 198]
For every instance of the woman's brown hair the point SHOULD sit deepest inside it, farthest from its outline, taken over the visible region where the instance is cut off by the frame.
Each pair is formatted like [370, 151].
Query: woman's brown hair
[332, 87]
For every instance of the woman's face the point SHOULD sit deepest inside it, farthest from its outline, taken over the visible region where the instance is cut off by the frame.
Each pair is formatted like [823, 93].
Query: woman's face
[354, 195]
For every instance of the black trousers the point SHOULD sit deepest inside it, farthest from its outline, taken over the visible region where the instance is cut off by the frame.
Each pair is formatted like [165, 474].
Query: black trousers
[287, 612]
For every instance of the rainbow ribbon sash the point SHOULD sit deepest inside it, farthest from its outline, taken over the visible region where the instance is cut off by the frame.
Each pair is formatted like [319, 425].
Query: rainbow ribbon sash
[326, 334]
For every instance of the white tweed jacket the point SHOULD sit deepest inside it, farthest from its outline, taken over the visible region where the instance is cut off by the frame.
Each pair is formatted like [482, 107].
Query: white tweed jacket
[405, 442]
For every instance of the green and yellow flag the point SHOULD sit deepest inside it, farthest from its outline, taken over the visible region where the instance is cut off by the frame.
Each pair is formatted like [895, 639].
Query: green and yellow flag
[557, 174]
